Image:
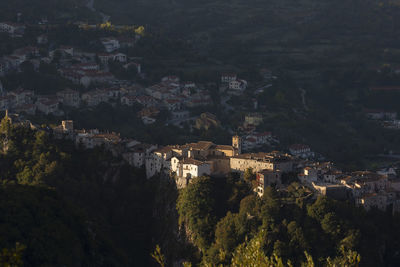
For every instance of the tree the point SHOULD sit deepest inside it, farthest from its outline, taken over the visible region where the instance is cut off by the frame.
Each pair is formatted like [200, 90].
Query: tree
[12, 257]
[251, 254]
[140, 30]
[158, 256]
[195, 207]
[249, 175]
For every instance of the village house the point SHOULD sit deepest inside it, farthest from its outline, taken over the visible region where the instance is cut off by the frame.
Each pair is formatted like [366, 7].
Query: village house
[381, 114]
[188, 85]
[65, 130]
[86, 77]
[172, 104]
[26, 108]
[95, 97]
[113, 93]
[87, 66]
[126, 42]
[147, 101]
[238, 85]
[373, 200]
[110, 44]
[13, 29]
[216, 156]
[335, 191]
[67, 50]
[48, 106]
[191, 168]
[332, 176]
[365, 182]
[249, 143]
[93, 138]
[136, 156]
[309, 175]
[256, 140]
[149, 112]
[128, 100]
[228, 77]
[301, 151]
[159, 161]
[42, 39]
[253, 119]
[171, 79]
[106, 58]
[69, 97]
[22, 96]
[148, 120]
[180, 114]
[198, 102]
[267, 178]
[262, 161]
[26, 52]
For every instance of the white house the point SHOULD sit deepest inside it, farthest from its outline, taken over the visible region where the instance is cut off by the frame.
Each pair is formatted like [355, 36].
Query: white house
[239, 85]
[228, 77]
[12, 28]
[110, 44]
[170, 79]
[301, 150]
[309, 175]
[190, 168]
[69, 97]
[47, 106]
[138, 154]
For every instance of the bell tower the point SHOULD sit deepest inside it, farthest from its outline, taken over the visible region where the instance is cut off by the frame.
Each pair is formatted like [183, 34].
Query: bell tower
[237, 143]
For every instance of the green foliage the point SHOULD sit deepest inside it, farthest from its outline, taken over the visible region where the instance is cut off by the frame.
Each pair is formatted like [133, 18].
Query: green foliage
[158, 256]
[12, 257]
[276, 231]
[251, 254]
[56, 198]
[249, 175]
[195, 206]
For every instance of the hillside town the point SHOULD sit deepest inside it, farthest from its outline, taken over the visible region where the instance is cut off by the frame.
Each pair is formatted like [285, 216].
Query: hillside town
[369, 189]
[92, 83]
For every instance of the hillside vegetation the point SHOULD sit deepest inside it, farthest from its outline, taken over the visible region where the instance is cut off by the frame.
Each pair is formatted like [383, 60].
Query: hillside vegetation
[34, 10]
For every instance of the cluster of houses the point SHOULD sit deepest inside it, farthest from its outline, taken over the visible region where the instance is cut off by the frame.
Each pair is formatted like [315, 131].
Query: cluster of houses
[12, 28]
[388, 119]
[25, 101]
[368, 189]
[379, 189]
[231, 84]
[170, 94]
[81, 68]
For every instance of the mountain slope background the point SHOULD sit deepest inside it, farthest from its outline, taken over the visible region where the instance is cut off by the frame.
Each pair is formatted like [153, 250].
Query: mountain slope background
[32, 11]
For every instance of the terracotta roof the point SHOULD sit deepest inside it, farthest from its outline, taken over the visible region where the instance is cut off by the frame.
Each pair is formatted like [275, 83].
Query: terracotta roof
[192, 162]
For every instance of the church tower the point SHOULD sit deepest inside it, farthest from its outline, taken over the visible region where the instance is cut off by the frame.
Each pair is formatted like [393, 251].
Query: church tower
[237, 143]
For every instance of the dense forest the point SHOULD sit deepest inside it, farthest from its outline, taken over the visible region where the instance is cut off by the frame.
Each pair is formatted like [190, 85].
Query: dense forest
[62, 205]
[72, 207]
[290, 227]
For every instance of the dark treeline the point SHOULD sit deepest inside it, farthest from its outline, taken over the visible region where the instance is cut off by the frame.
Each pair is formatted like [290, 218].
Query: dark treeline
[66, 206]
[287, 226]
